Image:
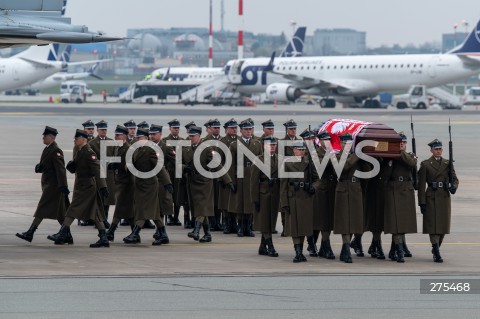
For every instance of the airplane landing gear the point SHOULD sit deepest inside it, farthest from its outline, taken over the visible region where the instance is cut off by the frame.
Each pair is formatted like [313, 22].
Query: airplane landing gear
[327, 103]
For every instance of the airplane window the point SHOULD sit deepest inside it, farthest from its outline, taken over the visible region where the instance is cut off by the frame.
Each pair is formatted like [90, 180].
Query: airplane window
[383, 66]
[316, 67]
[414, 65]
[341, 67]
[328, 67]
[284, 68]
[348, 66]
[295, 68]
[353, 66]
[408, 65]
[289, 67]
[371, 66]
[301, 68]
[376, 66]
[421, 65]
[401, 65]
[389, 66]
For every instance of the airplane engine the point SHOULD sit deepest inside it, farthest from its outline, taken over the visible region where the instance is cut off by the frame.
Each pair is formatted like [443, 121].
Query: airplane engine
[283, 92]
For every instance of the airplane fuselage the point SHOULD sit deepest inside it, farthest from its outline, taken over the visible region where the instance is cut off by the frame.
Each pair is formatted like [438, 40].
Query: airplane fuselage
[16, 73]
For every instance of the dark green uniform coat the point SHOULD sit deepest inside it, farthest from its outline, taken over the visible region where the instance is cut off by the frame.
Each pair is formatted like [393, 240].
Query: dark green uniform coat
[349, 218]
[165, 198]
[400, 213]
[85, 198]
[179, 193]
[124, 186]
[266, 191]
[436, 220]
[324, 199]
[374, 200]
[200, 189]
[223, 192]
[52, 202]
[299, 216]
[240, 202]
[146, 189]
[95, 145]
[216, 182]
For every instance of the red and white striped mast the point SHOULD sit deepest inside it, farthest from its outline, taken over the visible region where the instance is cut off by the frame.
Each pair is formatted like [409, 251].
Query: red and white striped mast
[210, 39]
[240, 31]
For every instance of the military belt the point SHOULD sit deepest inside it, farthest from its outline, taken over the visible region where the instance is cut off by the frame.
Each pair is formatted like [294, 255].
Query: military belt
[297, 185]
[352, 180]
[330, 178]
[437, 185]
[270, 181]
[400, 179]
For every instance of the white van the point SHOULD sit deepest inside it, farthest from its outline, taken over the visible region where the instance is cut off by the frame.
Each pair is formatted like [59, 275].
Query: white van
[67, 87]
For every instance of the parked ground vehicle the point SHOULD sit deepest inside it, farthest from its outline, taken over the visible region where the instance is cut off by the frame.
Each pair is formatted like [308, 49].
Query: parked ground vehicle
[472, 96]
[76, 95]
[67, 87]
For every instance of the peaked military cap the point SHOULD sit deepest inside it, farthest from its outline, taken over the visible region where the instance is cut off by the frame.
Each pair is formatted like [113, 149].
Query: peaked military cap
[300, 144]
[435, 144]
[268, 124]
[270, 140]
[230, 123]
[193, 130]
[307, 134]
[102, 125]
[174, 123]
[190, 124]
[323, 135]
[346, 137]
[251, 121]
[121, 130]
[142, 125]
[50, 131]
[130, 124]
[290, 124]
[403, 136]
[81, 133]
[88, 124]
[215, 123]
[246, 124]
[142, 132]
[156, 129]
[208, 123]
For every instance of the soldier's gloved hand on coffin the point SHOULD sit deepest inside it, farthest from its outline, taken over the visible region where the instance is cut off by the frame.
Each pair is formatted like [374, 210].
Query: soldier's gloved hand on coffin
[232, 187]
[71, 166]
[39, 168]
[257, 206]
[64, 190]
[309, 188]
[452, 190]
[286, 209]
[423, 208]
[104, 192]
[169, 188]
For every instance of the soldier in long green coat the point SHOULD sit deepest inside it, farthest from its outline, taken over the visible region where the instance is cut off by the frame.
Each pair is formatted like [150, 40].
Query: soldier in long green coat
[265, 192]
[229, 219]
[200, 188]
[86, 193]
[165, 188]
[179, 194]
[240, 202]
[124, 208]
[296, 199]
[349, 218]
[400, 213]
[434, 200]
[324, 202]
[102, 127]
[145, 160]
[54, 184]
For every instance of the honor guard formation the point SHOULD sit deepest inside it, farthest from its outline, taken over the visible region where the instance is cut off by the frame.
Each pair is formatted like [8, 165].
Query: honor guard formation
[241, 198]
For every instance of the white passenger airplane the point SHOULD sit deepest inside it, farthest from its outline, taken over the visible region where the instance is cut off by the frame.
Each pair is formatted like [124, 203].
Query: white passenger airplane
[358, 78]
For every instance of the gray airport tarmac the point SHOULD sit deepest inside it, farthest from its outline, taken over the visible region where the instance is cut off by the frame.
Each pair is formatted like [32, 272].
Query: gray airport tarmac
[229, 268]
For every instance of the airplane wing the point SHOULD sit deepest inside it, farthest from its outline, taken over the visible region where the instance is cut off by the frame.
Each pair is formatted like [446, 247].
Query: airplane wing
[38, 63]
[88, 62]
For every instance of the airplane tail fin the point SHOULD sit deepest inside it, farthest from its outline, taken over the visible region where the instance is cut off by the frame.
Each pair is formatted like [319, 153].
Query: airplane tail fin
[471, 45]
[41, 53]
[65, 57]
[92, 69]
[295, 45]
[64, 7]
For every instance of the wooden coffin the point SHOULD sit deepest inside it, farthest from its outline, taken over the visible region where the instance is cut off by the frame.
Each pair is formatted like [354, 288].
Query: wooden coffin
[388, 140]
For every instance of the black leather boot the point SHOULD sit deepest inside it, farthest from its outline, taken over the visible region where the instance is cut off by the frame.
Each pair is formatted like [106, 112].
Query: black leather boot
[436, 254]
[326, 250]
[399, 252]
[311, 248]
[195, 233]
[380, 254]
[270, 248]
[63, 236]
[111, 232]
[28, 235]
[227, 228]
[345, 255]
[241, 226]
[161, 237]
[356, 245]
[247, 231]
[176, 221]
[372, 250]
[186, 221]
[298, 253]
[103, 241]
[134, 237]
[407, 252]
[262, 250]
[302, 256]
[391, 254]
[207, 237]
